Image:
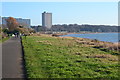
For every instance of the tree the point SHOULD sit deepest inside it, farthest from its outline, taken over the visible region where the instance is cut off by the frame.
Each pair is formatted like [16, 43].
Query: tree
[12, 23]
[0, 29]
[23, 30]
[5, 30]
[31, 30]
[20, 26]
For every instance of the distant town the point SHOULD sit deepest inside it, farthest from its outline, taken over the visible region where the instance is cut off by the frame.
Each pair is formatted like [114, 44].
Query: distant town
[47, 26]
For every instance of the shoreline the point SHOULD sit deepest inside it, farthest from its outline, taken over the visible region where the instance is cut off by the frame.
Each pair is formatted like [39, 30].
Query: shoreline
[92, 32]
[97, 43]
[87, 39]
[62, 35]
[89, 42]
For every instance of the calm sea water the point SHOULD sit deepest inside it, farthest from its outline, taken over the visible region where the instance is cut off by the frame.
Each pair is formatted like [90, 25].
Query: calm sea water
[108, 37]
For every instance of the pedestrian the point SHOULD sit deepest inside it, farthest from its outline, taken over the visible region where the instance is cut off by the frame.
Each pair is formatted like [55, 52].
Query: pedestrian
[17, 34]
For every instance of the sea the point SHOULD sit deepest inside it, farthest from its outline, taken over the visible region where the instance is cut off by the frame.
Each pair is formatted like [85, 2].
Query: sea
[107, 37]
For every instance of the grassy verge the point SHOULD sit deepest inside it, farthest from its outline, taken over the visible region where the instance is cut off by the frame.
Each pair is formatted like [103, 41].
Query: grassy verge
[51, 57]
[4, 39]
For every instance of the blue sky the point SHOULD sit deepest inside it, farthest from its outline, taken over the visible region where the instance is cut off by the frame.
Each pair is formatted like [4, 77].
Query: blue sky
[103, 13]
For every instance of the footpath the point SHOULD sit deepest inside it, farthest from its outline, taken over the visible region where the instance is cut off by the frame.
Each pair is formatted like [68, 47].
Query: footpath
[12, 59]
[0, 61]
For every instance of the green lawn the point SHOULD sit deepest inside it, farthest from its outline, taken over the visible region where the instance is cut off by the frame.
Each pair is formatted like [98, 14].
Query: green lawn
[0, 38]
[50, 57]
[4, 39]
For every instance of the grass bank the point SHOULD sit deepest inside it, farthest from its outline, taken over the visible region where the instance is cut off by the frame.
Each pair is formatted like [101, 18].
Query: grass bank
[4, 39]
[55, 57]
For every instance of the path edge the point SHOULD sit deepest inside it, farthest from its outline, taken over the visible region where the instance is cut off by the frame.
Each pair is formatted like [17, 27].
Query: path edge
[23, 59]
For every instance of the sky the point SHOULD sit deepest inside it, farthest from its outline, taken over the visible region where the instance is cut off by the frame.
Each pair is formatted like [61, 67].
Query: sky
[94, 13]
[59, 0]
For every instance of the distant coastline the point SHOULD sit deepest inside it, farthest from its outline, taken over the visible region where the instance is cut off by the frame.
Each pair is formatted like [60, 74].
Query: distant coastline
[61, 34]
[92, 32]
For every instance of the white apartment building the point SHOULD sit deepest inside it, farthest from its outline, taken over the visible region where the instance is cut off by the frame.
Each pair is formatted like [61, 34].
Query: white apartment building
[47, 20]
[26, 23]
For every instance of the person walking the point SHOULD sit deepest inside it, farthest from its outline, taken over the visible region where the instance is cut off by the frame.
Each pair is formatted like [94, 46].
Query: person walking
[17, 34]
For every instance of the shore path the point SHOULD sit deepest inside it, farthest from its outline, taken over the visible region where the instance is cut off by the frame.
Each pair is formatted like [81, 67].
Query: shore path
[12, 61]
[0, 61]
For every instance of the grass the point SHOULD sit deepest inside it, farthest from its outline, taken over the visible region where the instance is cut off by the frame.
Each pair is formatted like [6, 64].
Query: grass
[52, 57]
[0, 37]
[4, 39]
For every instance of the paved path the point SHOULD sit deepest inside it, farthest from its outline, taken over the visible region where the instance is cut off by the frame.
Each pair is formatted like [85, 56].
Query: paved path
[12, 62]
[0, 61]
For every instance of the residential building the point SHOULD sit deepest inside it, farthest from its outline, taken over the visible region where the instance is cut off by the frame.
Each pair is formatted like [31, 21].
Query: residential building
[26, 23]
[47, 20]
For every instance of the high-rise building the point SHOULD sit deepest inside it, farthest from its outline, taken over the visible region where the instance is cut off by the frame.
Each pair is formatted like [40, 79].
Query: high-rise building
[47, 20]
[22, 22]
[118, 14]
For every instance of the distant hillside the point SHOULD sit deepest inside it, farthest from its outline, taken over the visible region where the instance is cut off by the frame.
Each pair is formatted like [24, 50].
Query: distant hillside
[89, 28]
[78, 28]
